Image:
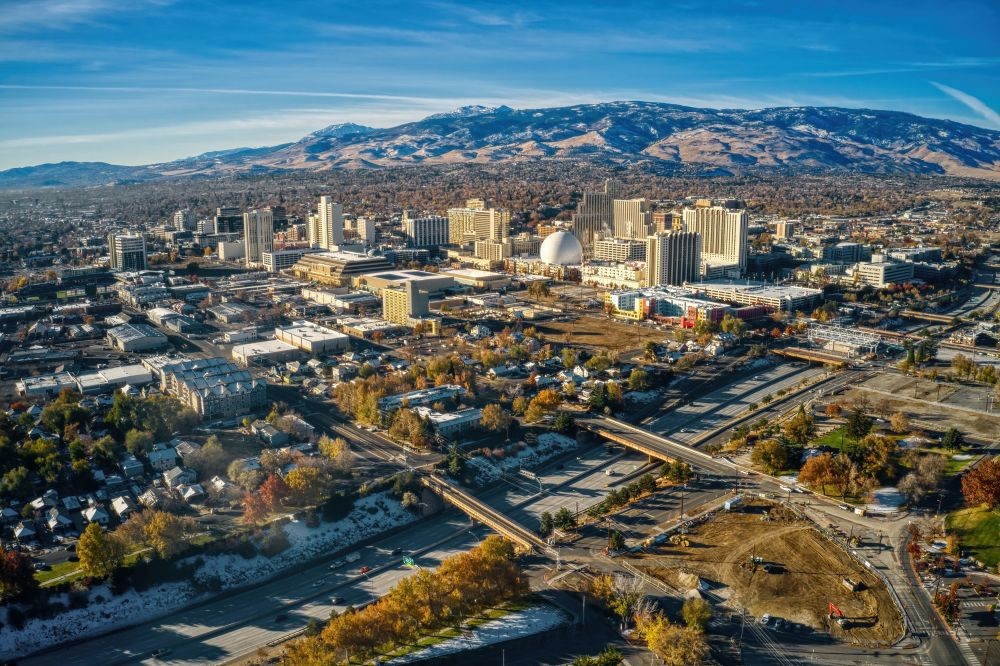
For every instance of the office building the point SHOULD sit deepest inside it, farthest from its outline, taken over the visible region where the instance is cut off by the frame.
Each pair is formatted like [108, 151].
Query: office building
[723, 234]
[477, 222]
[183, 220]
[883, 274]
[619, 250]
[337, 269]
[279, 217]
[127, 252]
[846, 253]
[364, 228]
[595, 215]
[228, 221]
[231, 250]
[672, 258]
[632, 218]
[493, 250]
[400, 305]
[258, 236]
[783, 298]
[427, 231]
[278, 260]
[326, 227]
[784, 229]
[525, 244]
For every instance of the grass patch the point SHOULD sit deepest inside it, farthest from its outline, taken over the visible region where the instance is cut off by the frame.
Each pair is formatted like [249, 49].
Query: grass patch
[978, 530]
[61, 569]
[835, 439]
[472, 623]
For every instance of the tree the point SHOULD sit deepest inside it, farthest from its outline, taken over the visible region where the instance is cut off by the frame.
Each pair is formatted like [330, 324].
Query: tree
[675, 645]
[952, 439]
[616, 541]
[569, 358]
[273, 491]
[638, 380]
[520, 405]
[495, 418]
[243, 476]
[338, 451]
[817, 471]
[564, 520]
[859, 424]
[308, 485]
[564, 423]
[545, 525]
[255, 509]
[771, 455]
[649, 350]
[800, 428]
[139, 442]
[166, 533]
[210, 460]
[100, 553]
[733, 325]
[877, 456]
[981, 485]
[697, 613]
[899, 423]
[17, 576]
[456, 464]
[17, 483]
[833, 410]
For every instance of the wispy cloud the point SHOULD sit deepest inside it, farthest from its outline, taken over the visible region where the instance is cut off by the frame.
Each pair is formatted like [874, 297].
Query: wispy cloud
[974, 103]
[228, 91]
[62, 14]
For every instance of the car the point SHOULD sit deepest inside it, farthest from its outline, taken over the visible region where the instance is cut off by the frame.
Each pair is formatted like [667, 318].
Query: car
[396, 551]
[758, 378]
[336, 600]
[281, 617]
[42, 566]
[364, 570]
[336, 564]
[779, 623]
[765, 619]
[161, 652]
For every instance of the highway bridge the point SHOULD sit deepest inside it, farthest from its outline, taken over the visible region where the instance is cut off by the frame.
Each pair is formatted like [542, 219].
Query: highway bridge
[653, 445]
[927, 316]
[525, 539]
[812, 355]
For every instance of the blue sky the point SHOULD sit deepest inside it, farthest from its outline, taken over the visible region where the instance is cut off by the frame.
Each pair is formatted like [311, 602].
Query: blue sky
[139, 81]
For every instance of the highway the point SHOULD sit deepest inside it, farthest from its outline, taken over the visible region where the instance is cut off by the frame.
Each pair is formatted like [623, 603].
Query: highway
[235, 625]
[710, 411]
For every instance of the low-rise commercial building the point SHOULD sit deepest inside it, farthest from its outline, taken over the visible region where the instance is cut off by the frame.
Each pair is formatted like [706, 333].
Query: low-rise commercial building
[312, 338]
[136, 337]
[784, 298]
[883, 274]
[273, 351]
[337, 268]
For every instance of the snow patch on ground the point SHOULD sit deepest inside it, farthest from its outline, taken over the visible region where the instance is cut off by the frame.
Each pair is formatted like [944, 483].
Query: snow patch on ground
[371, 515]
[518, 624]
[96, 618]
[643, 397]
[886, 500]
[550, 444]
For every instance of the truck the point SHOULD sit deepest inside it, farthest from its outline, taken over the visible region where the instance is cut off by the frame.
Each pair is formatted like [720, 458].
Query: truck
[353, 557]
[733, 502]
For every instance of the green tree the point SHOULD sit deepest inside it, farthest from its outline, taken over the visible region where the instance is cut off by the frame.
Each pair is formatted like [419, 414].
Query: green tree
[638, 380]
[616, 541]
[858, 424]
[456, 464]
[100, 553]
[17, 483]
[952, 439]
[139, 442]
[564, 519]
[771, 455]
[697, 613]
[564, 422]
[800, 428]
[545, 524]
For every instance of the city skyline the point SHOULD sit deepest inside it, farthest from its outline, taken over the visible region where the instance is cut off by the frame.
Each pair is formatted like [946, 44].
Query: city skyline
[160, 80]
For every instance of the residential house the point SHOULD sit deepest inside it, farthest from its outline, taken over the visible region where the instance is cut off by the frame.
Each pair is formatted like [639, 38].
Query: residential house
[24, 531]
[191, 493]
[162, 457]
[268, 433]
[96, 514]
[58, 521]
[186, 451]
[131, 466]
[123, 506]
[177, 476]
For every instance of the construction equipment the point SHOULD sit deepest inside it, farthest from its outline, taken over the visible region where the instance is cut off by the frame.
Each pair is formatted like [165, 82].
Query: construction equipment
[836, 613]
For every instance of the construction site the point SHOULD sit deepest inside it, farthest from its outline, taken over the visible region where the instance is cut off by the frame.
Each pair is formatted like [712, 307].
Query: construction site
[762, 559]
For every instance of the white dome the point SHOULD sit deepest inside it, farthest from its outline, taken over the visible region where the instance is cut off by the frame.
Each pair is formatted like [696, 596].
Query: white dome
[561, 249]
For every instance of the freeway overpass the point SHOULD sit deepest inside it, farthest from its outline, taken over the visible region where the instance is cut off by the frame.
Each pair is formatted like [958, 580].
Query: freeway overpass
[811, 355]
[524, 538]
[653, 445]
[927, 316]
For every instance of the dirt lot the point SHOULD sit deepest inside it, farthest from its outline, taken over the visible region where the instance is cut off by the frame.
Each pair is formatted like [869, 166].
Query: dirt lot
[597, 333]
[811, 573]
[956, 405]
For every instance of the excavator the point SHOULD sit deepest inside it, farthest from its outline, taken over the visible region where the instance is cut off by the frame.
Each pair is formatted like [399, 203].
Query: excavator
[836, 613]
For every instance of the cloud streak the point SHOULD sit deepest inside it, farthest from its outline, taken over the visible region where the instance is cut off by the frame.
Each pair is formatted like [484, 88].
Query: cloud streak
[975, 104]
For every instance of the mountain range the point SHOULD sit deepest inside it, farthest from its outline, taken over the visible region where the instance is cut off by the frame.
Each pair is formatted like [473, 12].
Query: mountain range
[657, 135]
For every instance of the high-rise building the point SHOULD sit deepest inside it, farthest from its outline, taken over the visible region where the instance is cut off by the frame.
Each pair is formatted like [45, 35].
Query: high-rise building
[477, 222]
[258, 236]
[127, 252]
[632, 218]
[493, 250]
[595, 215]
[723, 234]
[667, 220]
[403, 303]
[672, 257]
[183, 220]
[426, 231]
[326, 227]
[784, 229]
[228, 221]
[364, 227]
[279, 217]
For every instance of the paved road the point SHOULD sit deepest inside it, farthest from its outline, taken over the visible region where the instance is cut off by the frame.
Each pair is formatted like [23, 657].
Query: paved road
[712, 410]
